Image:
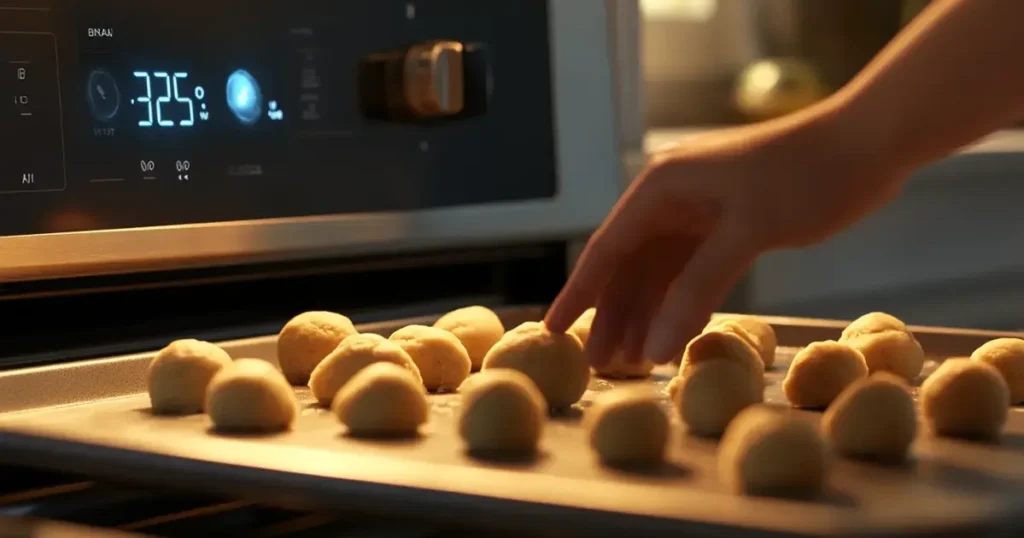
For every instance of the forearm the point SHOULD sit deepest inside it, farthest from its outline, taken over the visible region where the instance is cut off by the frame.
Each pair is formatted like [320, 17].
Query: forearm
[955, 74]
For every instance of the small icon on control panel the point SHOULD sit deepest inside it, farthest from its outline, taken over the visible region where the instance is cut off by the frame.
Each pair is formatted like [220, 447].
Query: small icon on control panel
[275, 113]
[28, 178]
[103, 95]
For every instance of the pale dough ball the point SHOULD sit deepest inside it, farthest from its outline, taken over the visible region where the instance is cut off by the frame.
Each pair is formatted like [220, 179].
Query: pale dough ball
[768, 452]
[382, 399]
[502, 410]
[965, 398]
[759, 333]
[554, 362]
[307, 339]
[821, 371]
[872, 322]
[441, 358]
[628, 426]
[179, 373]
[251, 395]
[873, 418]
[477, 327]
[1007, 356]
[886, 344]
[712, 394]
[353, 354]
[727, 345]
[618, 367]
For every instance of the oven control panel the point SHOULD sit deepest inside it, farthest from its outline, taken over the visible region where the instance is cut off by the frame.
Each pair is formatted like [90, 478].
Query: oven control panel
[131, 114]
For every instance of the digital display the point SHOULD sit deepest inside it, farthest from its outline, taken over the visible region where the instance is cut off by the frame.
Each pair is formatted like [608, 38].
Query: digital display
[241, 110]
[185, 109]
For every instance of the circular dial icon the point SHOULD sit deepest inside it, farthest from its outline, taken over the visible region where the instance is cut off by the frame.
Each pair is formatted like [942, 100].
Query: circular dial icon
[244, 97]
[103, 95]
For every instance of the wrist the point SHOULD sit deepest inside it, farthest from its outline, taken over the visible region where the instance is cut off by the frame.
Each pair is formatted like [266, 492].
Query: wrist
[844, 141]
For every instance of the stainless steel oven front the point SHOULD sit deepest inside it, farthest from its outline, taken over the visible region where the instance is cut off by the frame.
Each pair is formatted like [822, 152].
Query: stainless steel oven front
[157, 135]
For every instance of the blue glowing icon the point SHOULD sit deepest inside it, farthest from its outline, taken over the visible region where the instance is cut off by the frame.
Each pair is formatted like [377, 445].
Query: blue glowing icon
[275, 113]
[244, 97]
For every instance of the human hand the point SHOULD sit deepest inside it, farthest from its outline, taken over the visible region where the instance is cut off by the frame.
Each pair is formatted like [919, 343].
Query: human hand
[699, 215]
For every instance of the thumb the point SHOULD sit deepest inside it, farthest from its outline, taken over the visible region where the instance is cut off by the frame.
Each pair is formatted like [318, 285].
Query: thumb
[700, 288]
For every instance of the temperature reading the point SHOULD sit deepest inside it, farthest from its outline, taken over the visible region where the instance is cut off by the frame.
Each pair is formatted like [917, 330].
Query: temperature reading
[147, 166]
[182, 166]
[171, 105]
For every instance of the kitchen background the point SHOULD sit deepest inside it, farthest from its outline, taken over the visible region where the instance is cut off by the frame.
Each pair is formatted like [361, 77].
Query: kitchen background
[947, 252]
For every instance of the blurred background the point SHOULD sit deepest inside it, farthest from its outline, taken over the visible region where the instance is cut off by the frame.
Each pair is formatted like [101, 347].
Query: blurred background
[947, 252]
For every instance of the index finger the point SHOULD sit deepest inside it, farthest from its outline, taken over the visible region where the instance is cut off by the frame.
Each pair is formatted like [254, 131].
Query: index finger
[619, 235]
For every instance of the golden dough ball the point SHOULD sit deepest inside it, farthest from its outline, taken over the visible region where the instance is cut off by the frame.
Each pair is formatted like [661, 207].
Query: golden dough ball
[821, 371]
[871, 323]
[502, 410]
[628, 426]
[353, 354]
[382, 399]
[1007, 356]
[442, 360]
[554, 362]
[251, 395]
[893, 351]
[760, 333]
[715, 345]
[965, 398]
[306, 339]
[179, 374]
[618, 367]
[874, 418]
[768, 452]
[712, 394]
[477, 327]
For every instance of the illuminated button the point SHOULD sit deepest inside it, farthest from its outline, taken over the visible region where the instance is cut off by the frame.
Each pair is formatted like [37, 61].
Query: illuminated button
[103, 95]
[244, 97]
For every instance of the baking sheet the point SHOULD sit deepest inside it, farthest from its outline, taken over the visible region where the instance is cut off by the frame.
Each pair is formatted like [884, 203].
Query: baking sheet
[94, 417]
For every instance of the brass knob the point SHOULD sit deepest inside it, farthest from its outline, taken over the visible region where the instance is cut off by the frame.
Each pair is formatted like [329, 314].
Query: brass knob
[433, 79]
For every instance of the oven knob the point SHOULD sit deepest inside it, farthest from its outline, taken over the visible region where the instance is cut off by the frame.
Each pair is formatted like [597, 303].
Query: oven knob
[432, 83]
[425, 82]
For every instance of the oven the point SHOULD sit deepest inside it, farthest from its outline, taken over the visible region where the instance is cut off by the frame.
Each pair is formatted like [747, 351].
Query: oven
[208, 170]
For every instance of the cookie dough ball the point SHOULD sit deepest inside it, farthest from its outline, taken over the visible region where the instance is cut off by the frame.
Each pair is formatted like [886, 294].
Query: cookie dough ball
[727, 345]
[965, 398]
[872, 419]
[441, 358]
[759, 333]
[179, 373]
[554, 362]
[353, 354]
[871, 323]
[618, 367]
[502, 410]
[886, 344]
[477, 327]
[251, 395]
[628, 426]
[381, 400]
[821, 371]
[307, 339]
[712, 394]
[1007, 356]
[768, 452]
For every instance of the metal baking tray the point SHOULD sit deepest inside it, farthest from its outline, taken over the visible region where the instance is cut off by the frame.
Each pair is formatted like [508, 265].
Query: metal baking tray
[93, 417]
